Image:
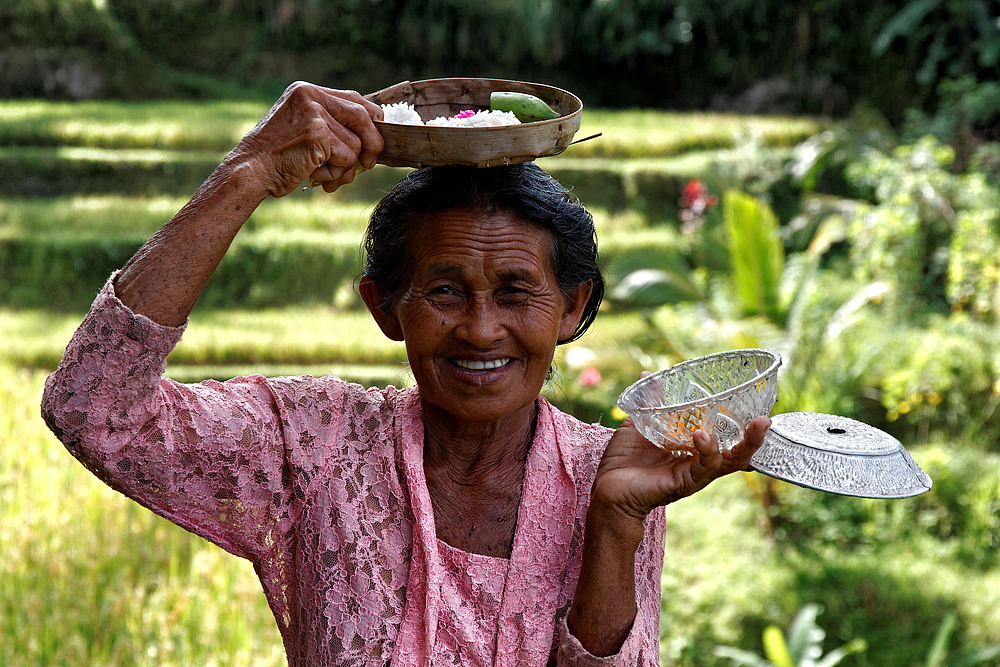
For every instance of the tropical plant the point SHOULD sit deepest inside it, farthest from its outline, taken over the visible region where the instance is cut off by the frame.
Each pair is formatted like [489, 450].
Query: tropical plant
[937, 654]
[802, 646]
[958, 35]
[930, 232]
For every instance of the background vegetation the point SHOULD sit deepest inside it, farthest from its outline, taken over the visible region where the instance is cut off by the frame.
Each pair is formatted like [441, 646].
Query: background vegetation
[769, 55]
[861, 239]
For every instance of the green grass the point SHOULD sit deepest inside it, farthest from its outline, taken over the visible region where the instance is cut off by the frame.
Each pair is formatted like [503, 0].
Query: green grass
[111, 215]
[218, 126]
[89, 578]
[641, 133]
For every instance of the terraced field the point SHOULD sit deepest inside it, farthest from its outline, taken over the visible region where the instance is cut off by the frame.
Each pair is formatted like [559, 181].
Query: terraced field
[85, 184]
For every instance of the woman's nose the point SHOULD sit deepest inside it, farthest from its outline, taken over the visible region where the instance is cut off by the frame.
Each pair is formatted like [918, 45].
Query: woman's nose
[481, 323]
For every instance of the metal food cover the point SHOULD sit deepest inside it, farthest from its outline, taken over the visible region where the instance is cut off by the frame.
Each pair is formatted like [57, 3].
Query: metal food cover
[838, 455]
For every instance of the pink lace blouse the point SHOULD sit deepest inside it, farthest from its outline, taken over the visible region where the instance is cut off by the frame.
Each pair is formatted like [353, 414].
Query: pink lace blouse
[320, 484]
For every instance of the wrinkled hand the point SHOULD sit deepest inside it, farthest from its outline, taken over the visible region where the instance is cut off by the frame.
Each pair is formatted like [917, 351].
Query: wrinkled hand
[311, 132]
[635, 476]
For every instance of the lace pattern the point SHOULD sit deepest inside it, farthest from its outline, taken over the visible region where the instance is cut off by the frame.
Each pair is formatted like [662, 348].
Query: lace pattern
[320, 484]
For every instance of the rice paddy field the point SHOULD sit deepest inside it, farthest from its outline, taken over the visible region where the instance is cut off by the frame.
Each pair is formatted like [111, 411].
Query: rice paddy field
[88, 578]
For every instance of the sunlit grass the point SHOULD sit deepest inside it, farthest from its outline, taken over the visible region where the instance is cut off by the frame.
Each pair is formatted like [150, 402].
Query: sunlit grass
[108, 215]
[293, 336]
[216, 125]
[643, 132]
[90, 578]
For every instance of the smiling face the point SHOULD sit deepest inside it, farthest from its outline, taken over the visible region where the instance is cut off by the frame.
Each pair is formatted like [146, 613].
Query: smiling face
[480, 311]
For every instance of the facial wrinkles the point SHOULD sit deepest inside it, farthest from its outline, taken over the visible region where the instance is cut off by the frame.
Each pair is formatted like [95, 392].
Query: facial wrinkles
[481, 313]
[485, 274]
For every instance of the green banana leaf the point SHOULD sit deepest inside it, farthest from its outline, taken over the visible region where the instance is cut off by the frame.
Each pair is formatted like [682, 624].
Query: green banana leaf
[804, 635]
[835, 656]
[757, 255]
[938, 652]
[903, 23]
[741, 657]
[775, 647]
[649, 288]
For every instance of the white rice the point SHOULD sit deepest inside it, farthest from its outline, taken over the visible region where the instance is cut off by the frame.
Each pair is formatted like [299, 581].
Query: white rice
[404, 114]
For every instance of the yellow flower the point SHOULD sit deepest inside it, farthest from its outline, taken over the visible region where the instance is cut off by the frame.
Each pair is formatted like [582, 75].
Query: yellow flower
[934, 398]
[618, 413]
[903, 407]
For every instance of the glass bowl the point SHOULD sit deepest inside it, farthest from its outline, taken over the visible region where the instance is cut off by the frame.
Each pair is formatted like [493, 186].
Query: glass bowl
[720, 393]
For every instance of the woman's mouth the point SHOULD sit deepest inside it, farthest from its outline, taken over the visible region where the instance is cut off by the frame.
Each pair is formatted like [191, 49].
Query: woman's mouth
[477, 365]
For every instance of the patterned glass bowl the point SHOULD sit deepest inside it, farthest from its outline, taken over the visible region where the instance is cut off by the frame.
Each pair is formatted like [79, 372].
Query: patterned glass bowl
[719, 393]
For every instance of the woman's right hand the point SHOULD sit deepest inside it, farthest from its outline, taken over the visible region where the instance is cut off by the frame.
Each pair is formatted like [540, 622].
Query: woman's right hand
[313, 133]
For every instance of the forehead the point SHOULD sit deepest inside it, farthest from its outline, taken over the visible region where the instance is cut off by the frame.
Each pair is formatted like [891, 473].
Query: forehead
[469, 240]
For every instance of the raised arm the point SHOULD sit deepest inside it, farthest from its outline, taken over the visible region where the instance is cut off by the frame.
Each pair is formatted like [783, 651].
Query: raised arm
[635, 477]
[310, 132]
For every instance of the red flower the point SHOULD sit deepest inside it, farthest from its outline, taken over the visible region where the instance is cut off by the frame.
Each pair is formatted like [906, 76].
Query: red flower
[695, 200]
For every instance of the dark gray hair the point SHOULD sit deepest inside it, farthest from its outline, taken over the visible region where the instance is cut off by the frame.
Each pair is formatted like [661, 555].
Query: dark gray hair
[523, 189]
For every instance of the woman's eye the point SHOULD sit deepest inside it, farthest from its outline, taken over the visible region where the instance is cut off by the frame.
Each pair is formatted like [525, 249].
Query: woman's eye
[512, 295]
[443, 290]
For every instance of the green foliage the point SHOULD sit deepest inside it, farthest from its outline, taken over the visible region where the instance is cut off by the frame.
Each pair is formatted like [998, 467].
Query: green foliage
[905, 237]
[616, 52]
[942, 375]
[803, 646]
[757, 255]
[962, 36]
[964, 116]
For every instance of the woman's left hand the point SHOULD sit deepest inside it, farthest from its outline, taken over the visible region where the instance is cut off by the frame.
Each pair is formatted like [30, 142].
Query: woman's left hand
[635, 476]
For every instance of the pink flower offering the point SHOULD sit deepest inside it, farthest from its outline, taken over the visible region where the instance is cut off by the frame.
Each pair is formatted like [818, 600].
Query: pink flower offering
[468, 113]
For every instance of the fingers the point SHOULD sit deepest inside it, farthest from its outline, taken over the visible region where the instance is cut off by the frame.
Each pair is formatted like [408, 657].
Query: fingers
[709, 458]
[753, 439]
[313, 132]
[355, 113]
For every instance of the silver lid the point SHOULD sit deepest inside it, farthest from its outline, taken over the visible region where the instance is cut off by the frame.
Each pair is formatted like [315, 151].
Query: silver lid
[838, 455]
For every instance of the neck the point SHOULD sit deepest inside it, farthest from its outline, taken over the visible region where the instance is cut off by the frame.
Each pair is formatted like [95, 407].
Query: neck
[475, 477]
[472, 449]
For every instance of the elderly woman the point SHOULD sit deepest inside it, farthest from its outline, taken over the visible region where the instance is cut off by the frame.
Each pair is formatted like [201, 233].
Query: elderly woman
[464, 521]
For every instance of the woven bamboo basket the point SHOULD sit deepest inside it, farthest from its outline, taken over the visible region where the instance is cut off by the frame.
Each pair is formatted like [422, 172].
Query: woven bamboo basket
[431, 146]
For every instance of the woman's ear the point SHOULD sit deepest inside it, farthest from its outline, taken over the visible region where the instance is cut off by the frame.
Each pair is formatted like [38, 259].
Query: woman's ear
[576, 304]
[377, 302]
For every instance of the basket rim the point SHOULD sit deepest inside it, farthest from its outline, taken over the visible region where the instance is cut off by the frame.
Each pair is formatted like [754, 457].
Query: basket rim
[774, 356]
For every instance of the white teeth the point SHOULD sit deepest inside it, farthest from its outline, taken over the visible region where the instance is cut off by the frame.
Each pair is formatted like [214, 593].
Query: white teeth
[481, 365]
